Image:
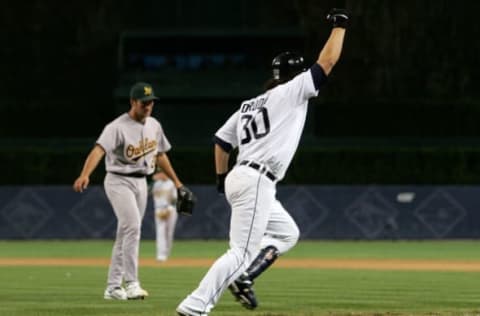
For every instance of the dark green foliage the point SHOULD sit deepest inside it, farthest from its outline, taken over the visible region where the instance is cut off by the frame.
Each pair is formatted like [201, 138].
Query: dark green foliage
[409, 69]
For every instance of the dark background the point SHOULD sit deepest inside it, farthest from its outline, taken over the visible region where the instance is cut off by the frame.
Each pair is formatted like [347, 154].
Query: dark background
[401, 106]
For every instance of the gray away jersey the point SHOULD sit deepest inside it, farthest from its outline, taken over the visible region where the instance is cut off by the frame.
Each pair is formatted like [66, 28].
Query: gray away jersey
[132, 147]
[267, 129]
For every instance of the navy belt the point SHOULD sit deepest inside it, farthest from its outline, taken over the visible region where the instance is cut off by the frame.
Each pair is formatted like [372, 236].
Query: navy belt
[133, 175]
[260, 168]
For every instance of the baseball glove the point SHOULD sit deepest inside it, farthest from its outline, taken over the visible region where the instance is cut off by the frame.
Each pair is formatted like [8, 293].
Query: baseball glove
[185, 201]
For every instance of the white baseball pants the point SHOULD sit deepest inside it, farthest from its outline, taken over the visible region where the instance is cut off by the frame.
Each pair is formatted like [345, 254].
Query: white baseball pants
[258, 220]
[165, 230]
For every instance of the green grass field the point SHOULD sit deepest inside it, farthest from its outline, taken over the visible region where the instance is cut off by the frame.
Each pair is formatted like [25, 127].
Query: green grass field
[75, 291]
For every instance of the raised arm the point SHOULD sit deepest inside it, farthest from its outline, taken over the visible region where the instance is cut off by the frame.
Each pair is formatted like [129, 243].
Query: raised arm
[330, 53]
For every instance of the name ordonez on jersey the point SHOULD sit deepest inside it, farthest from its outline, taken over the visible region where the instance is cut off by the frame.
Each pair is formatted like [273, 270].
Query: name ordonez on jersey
[267, 129]
[254, 104]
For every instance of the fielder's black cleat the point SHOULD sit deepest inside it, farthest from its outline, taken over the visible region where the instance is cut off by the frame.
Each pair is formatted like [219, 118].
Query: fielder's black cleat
[242, 289]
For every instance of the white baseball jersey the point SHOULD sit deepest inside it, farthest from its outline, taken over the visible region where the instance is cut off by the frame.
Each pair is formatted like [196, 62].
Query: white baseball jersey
[267, 129]
[132, 147]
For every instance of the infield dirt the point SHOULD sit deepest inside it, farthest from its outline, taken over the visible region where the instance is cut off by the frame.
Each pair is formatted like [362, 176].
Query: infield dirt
[359, 264]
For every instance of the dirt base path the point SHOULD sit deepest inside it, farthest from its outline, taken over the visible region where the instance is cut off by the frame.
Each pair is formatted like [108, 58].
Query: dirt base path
[359, 264]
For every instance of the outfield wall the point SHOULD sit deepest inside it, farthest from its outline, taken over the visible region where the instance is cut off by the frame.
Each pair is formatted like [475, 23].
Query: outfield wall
[321, 212]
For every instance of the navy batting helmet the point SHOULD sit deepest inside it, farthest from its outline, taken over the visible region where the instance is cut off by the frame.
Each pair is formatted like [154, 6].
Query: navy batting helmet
[287, 65]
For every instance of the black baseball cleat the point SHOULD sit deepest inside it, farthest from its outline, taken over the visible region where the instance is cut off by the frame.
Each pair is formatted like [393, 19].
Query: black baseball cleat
[242, 289]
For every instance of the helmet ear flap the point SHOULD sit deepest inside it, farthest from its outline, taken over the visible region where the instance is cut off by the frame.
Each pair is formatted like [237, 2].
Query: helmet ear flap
[287, 65]
[276, 73]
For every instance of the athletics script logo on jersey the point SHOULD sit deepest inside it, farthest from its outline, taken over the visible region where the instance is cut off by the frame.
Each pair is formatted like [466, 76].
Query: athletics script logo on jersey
[145, 146]
[131, 146]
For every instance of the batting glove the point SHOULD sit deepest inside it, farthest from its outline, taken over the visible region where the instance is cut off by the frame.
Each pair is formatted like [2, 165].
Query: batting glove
[338, 17]
[221, 182]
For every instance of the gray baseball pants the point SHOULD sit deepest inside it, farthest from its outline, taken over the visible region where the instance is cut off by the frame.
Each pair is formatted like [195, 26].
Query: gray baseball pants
[128, 197]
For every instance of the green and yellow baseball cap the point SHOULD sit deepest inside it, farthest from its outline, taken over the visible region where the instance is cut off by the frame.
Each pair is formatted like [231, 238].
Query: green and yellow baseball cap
[142, 91]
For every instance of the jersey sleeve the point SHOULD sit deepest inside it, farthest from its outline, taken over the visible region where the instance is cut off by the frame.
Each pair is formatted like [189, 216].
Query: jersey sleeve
[318, 76]
[226, 136]
[163, 143]
[306, 85]
[109, 138]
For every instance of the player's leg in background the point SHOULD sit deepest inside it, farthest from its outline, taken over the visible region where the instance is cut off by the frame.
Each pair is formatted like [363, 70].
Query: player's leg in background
[171, 223]
[161, 235]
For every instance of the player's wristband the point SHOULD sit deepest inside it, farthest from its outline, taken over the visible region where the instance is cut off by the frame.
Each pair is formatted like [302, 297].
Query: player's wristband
[221, 182]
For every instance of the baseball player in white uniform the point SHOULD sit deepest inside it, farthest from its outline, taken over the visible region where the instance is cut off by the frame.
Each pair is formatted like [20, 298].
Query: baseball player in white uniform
[164, 200]
[133, 144]
[266, 130]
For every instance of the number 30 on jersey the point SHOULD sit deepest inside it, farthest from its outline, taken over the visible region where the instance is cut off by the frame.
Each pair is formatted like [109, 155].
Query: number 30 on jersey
[255, 126]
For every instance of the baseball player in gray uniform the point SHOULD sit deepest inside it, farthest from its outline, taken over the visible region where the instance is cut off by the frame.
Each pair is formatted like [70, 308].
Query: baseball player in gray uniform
[133, 144]
[266, 130]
